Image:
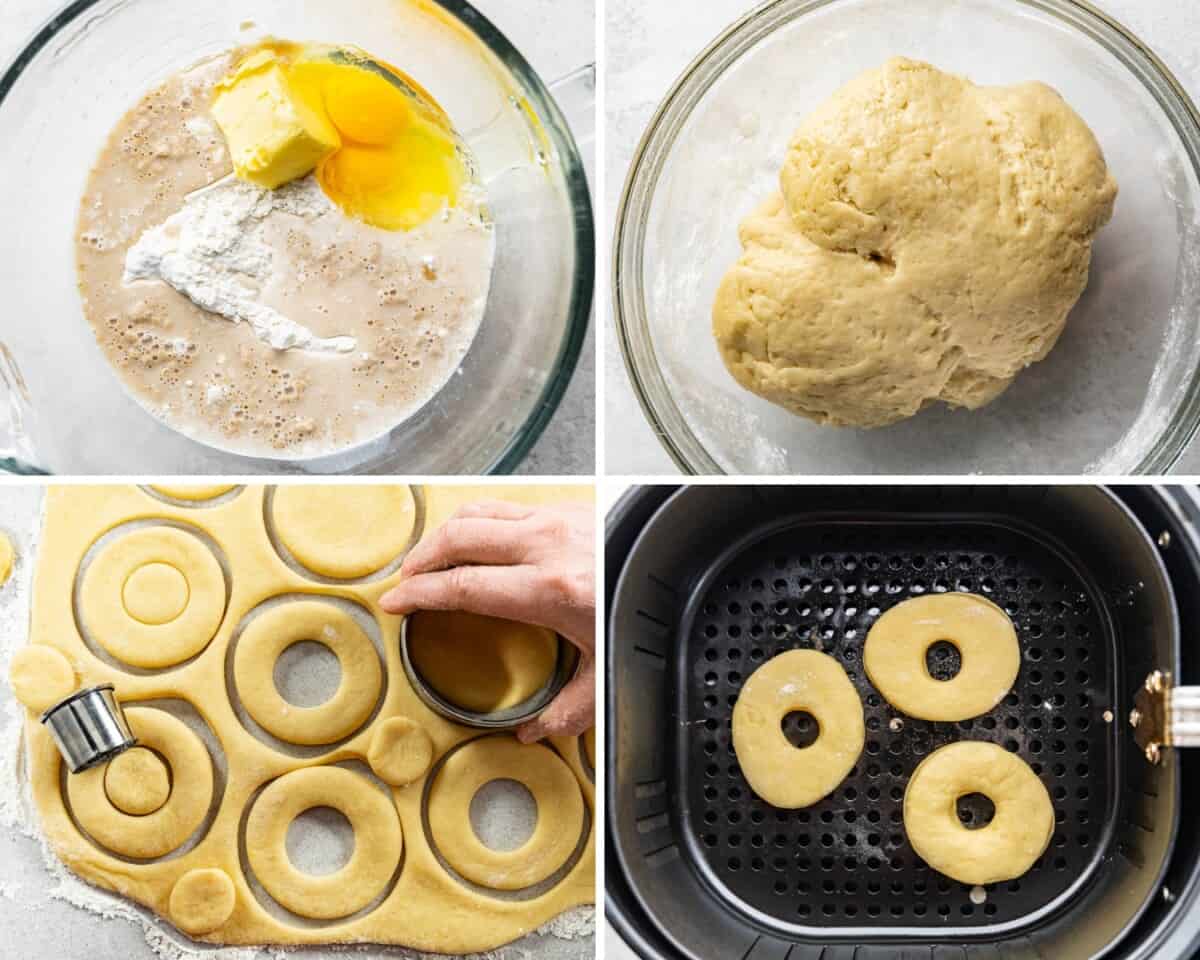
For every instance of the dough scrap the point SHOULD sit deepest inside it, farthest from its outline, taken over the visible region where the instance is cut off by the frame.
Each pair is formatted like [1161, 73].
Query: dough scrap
[40, 677]
[429, 909]
[928, 242]
[137, 782]
[480, 663]
[7, 555]
[344, 532]
[400, 752]
[1005, 848]
[202, 900]
[798, 680]
[123, 611]
[559, 812]
[270, 634]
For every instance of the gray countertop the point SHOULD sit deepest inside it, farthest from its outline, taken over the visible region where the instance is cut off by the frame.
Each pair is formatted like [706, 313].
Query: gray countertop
[648, 44]
[557, 37]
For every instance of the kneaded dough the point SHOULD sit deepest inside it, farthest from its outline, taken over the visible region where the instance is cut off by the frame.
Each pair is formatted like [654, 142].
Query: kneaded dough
[344, 532]
[784, 775]
[928, 242]
[7, 555]
[41, 677]
[480, 663]
[1004, 849]
[896, 645]
[182, 860]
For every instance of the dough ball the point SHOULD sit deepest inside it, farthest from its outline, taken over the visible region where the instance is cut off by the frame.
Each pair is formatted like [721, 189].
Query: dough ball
[480, 663]
[137, 782]
[202, 901]
[41, 676]
[7, 555]
[400, 752]
[928, 242]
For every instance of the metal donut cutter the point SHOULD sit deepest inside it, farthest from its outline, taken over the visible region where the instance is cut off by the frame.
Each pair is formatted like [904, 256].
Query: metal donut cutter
[89, 727]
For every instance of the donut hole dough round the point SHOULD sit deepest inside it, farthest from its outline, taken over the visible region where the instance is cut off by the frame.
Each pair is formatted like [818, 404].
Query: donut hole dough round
[137, 782]
[344, 532]
[894, 656]
[798, 680]
[275, 630]
[153, 597]
[377, 848]
[400, 751]
[41, 676]
[202, 901]
[1004, 849]
[479, 663]
[928, 242]
[555, 792]
[168, 827]
[7, 556]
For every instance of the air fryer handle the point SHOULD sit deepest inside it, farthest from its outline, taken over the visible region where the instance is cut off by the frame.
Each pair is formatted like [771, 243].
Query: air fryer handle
[1165, 716]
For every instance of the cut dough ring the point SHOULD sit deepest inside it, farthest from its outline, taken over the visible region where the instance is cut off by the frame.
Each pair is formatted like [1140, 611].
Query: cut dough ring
[167, 828]
[897, 643]
[559, 812]
[385, 569]
[272, 632]
[103, 610]
[797, 680]
[1009, 845]
[192, 494]
[379, 841]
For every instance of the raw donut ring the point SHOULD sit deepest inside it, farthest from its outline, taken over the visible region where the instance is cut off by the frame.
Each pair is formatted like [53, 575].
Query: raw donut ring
[274, 631]
[344, 532]
[784, 775]
[192, 491]
[153, 597]
[1007, 847]
[155, 834]
[559, 812]
[378, 841]
[894, 656]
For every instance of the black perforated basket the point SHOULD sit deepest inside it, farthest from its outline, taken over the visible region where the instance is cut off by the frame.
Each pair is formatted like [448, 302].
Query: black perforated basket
[706, 583]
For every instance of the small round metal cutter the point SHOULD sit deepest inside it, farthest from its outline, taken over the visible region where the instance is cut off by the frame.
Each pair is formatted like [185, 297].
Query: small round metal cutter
[89, 727]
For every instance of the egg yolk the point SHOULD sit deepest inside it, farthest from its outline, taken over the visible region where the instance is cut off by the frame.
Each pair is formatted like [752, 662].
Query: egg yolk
[399, 162]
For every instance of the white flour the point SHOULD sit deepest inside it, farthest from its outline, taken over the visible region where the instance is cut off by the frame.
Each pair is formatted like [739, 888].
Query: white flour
[213, 253]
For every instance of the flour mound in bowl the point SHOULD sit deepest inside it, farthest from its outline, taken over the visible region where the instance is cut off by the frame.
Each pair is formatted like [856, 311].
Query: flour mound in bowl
[928, 241]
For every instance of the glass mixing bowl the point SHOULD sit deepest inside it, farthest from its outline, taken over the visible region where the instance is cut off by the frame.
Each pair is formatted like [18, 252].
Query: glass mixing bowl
[93, 62]
[1121, 391]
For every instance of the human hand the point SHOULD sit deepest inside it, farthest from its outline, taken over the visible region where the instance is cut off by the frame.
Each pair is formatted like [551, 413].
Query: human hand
[530, 564]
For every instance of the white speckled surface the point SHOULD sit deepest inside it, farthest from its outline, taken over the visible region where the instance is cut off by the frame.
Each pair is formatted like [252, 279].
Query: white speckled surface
[557, 37]
[649, 42]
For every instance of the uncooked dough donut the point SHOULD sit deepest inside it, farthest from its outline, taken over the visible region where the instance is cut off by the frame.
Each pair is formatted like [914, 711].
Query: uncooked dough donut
[202, 900]
[480, 663]
[344, 532]
[378, 841]
[784, 775]
[400, 752]
[1004, 849]
[155, 834]
[272, 632]
[137, 782]
[192, 491]
[153, 597]
[41, 676]
[559, 812]
[896, 645]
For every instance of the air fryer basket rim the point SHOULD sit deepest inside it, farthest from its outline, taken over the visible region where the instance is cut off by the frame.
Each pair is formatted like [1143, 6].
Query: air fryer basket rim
[637, 505]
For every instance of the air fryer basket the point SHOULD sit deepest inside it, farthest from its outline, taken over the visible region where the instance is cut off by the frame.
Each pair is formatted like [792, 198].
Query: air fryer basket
[708, 582]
